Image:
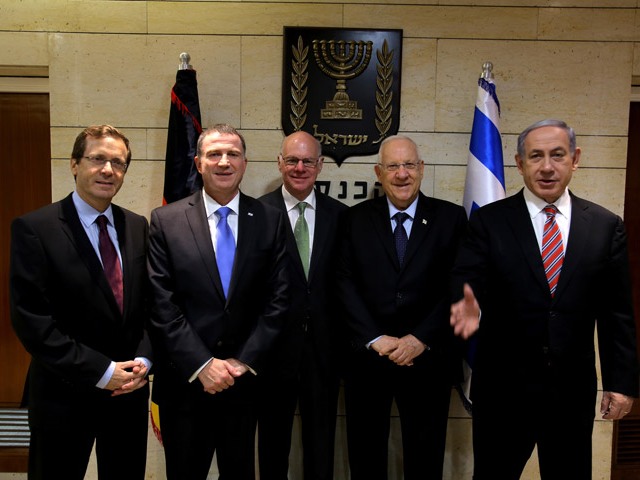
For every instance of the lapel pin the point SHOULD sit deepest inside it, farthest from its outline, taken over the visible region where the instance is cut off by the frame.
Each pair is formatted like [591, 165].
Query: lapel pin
[250, 214]
[424, 221]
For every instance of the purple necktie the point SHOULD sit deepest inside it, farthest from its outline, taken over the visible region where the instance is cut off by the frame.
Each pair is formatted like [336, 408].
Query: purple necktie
[400, 235]
[110, 261]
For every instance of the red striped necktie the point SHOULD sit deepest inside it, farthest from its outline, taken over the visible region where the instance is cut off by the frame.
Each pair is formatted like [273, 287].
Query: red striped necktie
[552, 249]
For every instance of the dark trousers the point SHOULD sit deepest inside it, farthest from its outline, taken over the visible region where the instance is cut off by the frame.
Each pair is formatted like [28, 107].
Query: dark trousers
[506, 430]
[61, 448]
[196, 424]
[422, 396]
[317, 397]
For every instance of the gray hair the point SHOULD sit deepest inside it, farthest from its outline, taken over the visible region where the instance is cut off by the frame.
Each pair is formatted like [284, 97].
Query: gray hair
[395, 137]
[547, 123]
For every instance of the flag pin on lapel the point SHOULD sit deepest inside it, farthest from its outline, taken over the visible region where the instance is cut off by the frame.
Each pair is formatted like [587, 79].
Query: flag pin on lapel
[424, 221]
[250, 214]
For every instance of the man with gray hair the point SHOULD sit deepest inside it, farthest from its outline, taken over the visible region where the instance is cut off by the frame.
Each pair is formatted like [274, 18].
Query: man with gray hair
[394, 262]
[545, 268]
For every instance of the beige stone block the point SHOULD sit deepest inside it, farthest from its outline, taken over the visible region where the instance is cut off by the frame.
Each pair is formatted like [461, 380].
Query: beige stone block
[545, 3]
[602, 152]
[24, 48]
[587, 24]
[261, 82]
[536, 80]
[237, 18]
[74, 16]
[142, 190]
[93, 82]
[62, 183]
[263, 145]
[602, 186]
[636, 60]
[418, 85]
[446, 21]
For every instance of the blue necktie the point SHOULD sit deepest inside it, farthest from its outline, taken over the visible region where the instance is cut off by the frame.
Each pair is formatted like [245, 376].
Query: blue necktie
[225, 248]
[400, 235]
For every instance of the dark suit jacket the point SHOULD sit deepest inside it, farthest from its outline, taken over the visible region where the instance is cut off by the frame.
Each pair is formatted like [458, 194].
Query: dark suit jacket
[192, 321]
[63, 309]
[312, 306]
[523, 330]
[380, 296]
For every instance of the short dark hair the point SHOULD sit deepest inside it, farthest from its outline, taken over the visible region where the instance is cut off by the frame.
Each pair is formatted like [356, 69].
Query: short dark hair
[97, 131]
[223, 128]
[547, 123]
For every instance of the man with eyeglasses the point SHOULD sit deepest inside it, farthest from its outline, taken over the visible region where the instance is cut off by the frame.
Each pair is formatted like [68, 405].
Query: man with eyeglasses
[217, 265]
[304, 359]
[78, 285]
[396, 252]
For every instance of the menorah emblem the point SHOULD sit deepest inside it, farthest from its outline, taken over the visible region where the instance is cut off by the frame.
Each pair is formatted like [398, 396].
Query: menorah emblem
[342, 60]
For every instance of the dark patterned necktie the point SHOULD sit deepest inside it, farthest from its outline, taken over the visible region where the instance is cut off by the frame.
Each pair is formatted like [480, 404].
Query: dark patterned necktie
[225, 248]
[552, 249]
[400, 235]
[110, 261]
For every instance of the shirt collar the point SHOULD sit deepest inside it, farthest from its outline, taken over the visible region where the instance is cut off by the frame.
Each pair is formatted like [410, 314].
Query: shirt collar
[536, 204]
[410, 210]
[210, 205]
[291, 202]
[87, 213]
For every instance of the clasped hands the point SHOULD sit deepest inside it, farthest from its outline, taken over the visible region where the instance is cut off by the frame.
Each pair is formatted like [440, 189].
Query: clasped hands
[400, 351]
[218, 374]
[127, 377]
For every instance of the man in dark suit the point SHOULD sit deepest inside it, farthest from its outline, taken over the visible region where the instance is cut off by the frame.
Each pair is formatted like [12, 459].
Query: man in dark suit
[395, 258]
[304, 359]
[217, 263]
[534, 377]
[80, 311]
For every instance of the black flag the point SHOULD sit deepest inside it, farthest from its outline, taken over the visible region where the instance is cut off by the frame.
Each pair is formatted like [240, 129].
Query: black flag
[181, 178]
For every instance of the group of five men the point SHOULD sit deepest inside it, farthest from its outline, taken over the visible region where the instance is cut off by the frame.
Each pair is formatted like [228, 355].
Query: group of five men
[256, 307]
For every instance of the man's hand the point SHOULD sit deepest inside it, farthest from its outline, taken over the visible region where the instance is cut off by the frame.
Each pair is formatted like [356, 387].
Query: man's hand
[127, 377]
[614, 405]
[219, 375]
[408, 348]
[385, 345]
[465, 314]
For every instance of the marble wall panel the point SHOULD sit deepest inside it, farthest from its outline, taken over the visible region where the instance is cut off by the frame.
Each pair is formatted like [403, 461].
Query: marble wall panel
[592, 24]
[93, 81]
[238, 18]
[74, 16]
[27, 48]
[536, 80]
[261, 81]
[418, 85]
[446, 21]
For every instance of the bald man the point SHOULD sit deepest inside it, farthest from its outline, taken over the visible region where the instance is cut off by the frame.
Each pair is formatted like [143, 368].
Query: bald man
[304, 360]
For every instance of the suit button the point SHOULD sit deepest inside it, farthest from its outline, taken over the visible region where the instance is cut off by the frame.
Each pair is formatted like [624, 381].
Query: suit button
[219, 344]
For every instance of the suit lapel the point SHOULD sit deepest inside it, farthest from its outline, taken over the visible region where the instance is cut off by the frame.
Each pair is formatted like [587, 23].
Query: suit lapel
[518, 218]
[197, 218]
[247, 231]
[579, 233]
[320, 234]
[421, 225]
[75, 231]
[382, 226]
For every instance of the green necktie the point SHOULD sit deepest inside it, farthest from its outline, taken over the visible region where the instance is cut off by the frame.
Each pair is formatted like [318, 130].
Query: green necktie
[301, 232]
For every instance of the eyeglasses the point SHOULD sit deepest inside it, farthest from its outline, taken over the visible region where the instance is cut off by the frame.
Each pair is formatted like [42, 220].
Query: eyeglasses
[306, 162]
[394, 167]
[100, 161]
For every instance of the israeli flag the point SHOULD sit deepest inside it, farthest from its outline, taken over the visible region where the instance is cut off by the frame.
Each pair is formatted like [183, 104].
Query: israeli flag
[485, 178]
[485, 168]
